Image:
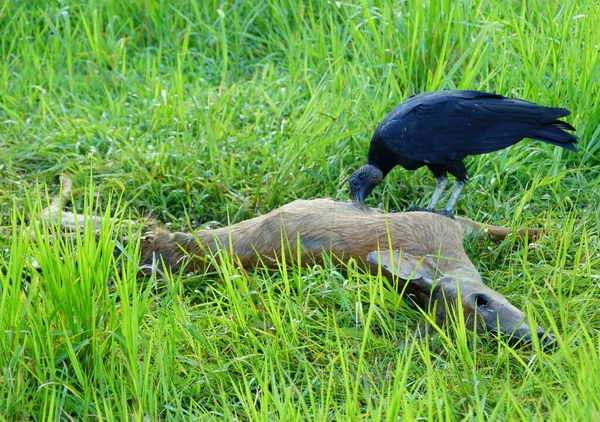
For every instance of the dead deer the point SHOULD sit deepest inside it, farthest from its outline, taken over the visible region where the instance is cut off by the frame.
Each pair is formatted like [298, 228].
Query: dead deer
[421, 252]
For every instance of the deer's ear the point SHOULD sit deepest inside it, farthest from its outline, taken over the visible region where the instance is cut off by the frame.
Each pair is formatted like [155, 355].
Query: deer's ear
[418, 270]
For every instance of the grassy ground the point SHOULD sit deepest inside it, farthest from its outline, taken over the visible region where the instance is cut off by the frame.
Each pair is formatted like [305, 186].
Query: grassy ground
[200, 111]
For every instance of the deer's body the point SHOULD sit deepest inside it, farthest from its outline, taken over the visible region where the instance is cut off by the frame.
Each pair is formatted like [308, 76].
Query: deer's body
[343, 229]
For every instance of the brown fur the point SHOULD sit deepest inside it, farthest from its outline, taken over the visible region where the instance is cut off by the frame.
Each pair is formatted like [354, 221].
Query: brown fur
[343, 229]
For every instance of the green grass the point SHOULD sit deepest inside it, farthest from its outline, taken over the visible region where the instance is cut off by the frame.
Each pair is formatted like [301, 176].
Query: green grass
[202, 112]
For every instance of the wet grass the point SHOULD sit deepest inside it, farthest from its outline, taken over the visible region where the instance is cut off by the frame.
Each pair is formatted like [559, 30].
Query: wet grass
[204, 112]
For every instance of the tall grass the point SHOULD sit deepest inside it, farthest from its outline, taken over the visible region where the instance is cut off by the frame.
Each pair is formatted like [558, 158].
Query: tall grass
[206, 112]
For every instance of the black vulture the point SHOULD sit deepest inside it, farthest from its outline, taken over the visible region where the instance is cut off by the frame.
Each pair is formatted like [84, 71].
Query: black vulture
[439, 129]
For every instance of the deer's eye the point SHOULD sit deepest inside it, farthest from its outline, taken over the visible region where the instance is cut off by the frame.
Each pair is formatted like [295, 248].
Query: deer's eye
[481, 301]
